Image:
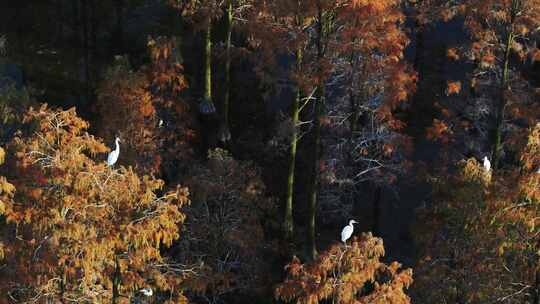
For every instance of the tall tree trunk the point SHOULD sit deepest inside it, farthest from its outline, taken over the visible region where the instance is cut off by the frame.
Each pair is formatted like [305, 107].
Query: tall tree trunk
[499, 118]
[206, 106]
[319, 102]
[515, 8]
[208, 62]
[288, 223]
[227, 97]
[116, 280]
[354, 114]
[353, 102]
[314, 187]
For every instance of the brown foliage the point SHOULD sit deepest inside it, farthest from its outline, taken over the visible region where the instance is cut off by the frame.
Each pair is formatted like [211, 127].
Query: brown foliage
[75, 227]
[177, 138]
[146, 110]
[126, 110]
[439, 131]
[224, 230]
[352, 274]
[453, 87]
[452, 53]
[480, 238]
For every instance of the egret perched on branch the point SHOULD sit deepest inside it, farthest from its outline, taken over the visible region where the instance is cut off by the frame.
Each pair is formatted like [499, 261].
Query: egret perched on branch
[113, 156]
[487, 164]
[347, 231]
[147, 291]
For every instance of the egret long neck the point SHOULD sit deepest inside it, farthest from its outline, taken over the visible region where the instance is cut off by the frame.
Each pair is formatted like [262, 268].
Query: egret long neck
[117, 145]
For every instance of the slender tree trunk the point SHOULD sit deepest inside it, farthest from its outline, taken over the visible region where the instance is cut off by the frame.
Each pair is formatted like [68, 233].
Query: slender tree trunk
[227, 97]
[355, 98]
[295, 111]
[314, 188]
[208, 62]
[354, 113]
[353, 102]
[209, 120]
[288, 222]
[499, 118]
[319, 103]
[116, 282]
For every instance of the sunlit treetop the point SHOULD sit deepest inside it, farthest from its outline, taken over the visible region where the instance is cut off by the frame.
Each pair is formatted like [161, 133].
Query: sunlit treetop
[78, 229]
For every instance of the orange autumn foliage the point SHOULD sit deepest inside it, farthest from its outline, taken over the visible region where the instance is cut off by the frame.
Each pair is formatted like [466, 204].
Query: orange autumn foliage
[499, 215]
[341, 275]
[452, 53]
[76, 229]
[373, 40]
[165, 73]
[453, 87]
[486, 18]
[177, 138]
[439, 131]
[126, 110]
[146, 110]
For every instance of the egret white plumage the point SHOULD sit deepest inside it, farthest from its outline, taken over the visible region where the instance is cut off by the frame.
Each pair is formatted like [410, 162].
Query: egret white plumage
[487, 164]
[147, 291]
[113, 156]
[347, 231]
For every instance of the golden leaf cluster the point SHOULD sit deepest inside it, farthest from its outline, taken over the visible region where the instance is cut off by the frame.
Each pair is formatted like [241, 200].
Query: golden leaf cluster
[341, 273]
[498, 214]
[78, 229]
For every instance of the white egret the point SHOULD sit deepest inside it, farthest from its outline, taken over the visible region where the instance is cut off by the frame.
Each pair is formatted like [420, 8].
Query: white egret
[147, 291]
[487, 164]
[113, 156]
[160, 124]
[347, 231]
